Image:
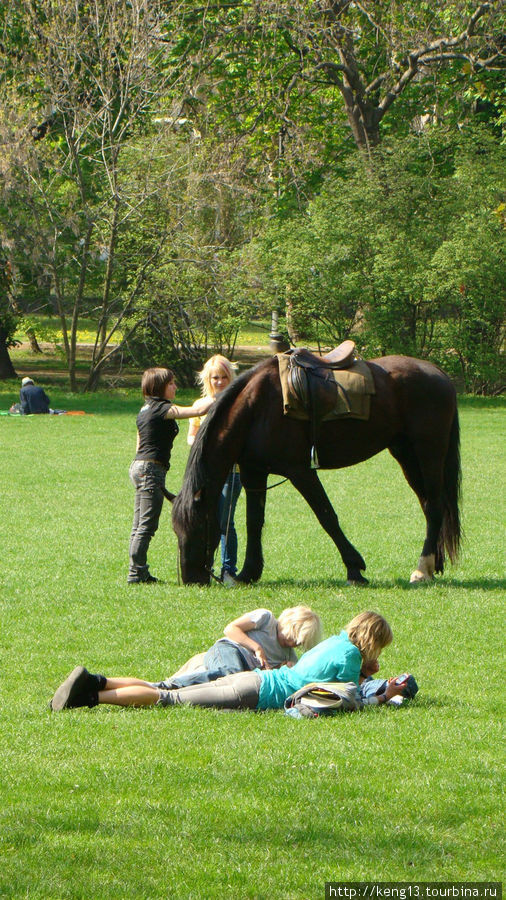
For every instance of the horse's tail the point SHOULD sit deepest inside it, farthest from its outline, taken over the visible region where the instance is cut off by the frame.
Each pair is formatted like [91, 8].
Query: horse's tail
[450, 534]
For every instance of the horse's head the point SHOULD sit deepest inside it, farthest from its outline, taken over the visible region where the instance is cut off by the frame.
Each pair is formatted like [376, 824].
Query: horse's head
[195, 510]
[195, 521]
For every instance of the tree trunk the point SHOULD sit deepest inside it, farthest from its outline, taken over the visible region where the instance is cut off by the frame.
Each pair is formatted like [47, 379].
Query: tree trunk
[32, 337]
[7, 370]
[94, 377]
[291, 328]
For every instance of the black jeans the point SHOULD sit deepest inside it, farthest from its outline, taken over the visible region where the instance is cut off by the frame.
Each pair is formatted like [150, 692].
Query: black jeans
[148, 479]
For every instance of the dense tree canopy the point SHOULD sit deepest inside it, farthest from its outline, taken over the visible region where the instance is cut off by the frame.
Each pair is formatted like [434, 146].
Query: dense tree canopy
[414, 269]
[291, 82]
[170, 170]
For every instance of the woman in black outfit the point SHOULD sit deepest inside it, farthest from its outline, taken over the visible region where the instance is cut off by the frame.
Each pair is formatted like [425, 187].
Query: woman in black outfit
[156, 430]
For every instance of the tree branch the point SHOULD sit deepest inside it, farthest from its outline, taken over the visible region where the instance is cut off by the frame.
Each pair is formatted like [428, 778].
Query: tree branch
[418, 57]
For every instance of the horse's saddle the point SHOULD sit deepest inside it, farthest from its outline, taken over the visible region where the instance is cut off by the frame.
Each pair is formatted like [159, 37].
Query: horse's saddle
[320, 388]
[325, 387]
[340, 358]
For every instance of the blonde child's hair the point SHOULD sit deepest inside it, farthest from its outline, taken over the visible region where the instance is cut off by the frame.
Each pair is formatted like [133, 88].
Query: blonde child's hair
[370, 632]
[302, 625]
[215, 362]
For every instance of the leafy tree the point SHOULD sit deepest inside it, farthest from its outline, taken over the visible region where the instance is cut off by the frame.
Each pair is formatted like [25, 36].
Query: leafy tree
[95, 185]
[285, 81]
[415, 268]
[194, 300]
[162, 137]
[467, 277]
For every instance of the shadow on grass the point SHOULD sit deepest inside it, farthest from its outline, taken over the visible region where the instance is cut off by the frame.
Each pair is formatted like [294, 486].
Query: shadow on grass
[437, 703]
[473, 584]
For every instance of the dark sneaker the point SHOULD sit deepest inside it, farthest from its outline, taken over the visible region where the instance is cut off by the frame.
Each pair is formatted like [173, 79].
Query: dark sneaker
[76, 690]
[150, 579]
[229, 581]
[411, 688]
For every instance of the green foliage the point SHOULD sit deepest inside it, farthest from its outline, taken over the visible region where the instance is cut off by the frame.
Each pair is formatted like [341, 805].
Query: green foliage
[144, 145]
[406, 258]
[113, 803]
[100, 171]
[467, 270]
[193, 300]
[285, 84]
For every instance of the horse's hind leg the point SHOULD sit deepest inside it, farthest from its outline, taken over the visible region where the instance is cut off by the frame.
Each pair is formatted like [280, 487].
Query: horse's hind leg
[426, 480]
[309, 485]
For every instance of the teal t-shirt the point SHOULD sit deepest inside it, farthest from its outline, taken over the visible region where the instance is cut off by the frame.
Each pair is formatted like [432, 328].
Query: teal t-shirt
[335, 659]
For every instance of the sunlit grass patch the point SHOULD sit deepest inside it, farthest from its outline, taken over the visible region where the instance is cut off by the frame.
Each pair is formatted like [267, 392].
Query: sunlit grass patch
[184, 803]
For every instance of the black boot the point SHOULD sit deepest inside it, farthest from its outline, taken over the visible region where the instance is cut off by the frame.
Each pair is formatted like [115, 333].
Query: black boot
[79, 689]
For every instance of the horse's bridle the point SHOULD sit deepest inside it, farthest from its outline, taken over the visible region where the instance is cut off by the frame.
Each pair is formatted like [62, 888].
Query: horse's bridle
[210, 555]
[209, 562]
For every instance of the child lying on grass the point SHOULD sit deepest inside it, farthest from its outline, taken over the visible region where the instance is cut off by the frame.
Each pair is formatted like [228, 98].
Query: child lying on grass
[339, 658]
[256, 640]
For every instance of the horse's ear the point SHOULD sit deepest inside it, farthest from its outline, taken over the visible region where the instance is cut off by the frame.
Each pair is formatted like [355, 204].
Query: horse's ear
[198, 495]
[168, 495]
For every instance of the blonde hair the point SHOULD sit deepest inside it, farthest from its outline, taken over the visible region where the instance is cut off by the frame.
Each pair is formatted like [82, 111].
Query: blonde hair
[302, 625]
[370, 632]
[215, 362]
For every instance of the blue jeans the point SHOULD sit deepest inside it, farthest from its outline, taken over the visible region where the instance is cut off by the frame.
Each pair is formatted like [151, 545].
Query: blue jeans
[226, 510]
[148, 479]
[372, 686]
[221, 659]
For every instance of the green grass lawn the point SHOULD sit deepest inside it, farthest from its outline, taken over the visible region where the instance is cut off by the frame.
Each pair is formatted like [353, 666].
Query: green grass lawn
[184, 803]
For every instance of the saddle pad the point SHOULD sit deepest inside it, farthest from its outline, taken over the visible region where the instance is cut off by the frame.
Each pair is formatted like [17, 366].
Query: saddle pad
[357, 385]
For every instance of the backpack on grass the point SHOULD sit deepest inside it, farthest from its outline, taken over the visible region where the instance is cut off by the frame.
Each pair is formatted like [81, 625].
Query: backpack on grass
[323, 699]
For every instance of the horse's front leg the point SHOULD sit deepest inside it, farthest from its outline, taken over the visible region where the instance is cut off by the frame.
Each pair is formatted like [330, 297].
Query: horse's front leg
[310, 486]
[255, 488]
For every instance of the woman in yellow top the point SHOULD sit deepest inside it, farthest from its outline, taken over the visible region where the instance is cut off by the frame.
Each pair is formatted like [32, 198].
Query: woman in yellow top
[217, 374]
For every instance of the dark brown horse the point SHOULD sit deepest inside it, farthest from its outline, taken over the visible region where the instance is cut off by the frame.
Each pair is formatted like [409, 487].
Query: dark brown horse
[413, 415]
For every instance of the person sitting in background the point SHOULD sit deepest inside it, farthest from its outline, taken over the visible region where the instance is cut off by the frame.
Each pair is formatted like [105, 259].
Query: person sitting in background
[33, 400]
[255, 640]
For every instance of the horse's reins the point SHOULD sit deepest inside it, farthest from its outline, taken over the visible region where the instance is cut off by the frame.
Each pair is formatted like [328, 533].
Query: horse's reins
[210, 568]
[269, 488]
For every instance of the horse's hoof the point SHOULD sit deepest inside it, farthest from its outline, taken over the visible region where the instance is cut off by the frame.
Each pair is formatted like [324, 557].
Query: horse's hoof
[418, 577]
[357, 581]
[244, 578]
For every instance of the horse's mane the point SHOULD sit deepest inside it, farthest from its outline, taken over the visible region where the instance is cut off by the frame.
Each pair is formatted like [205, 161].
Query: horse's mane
[198, 472]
